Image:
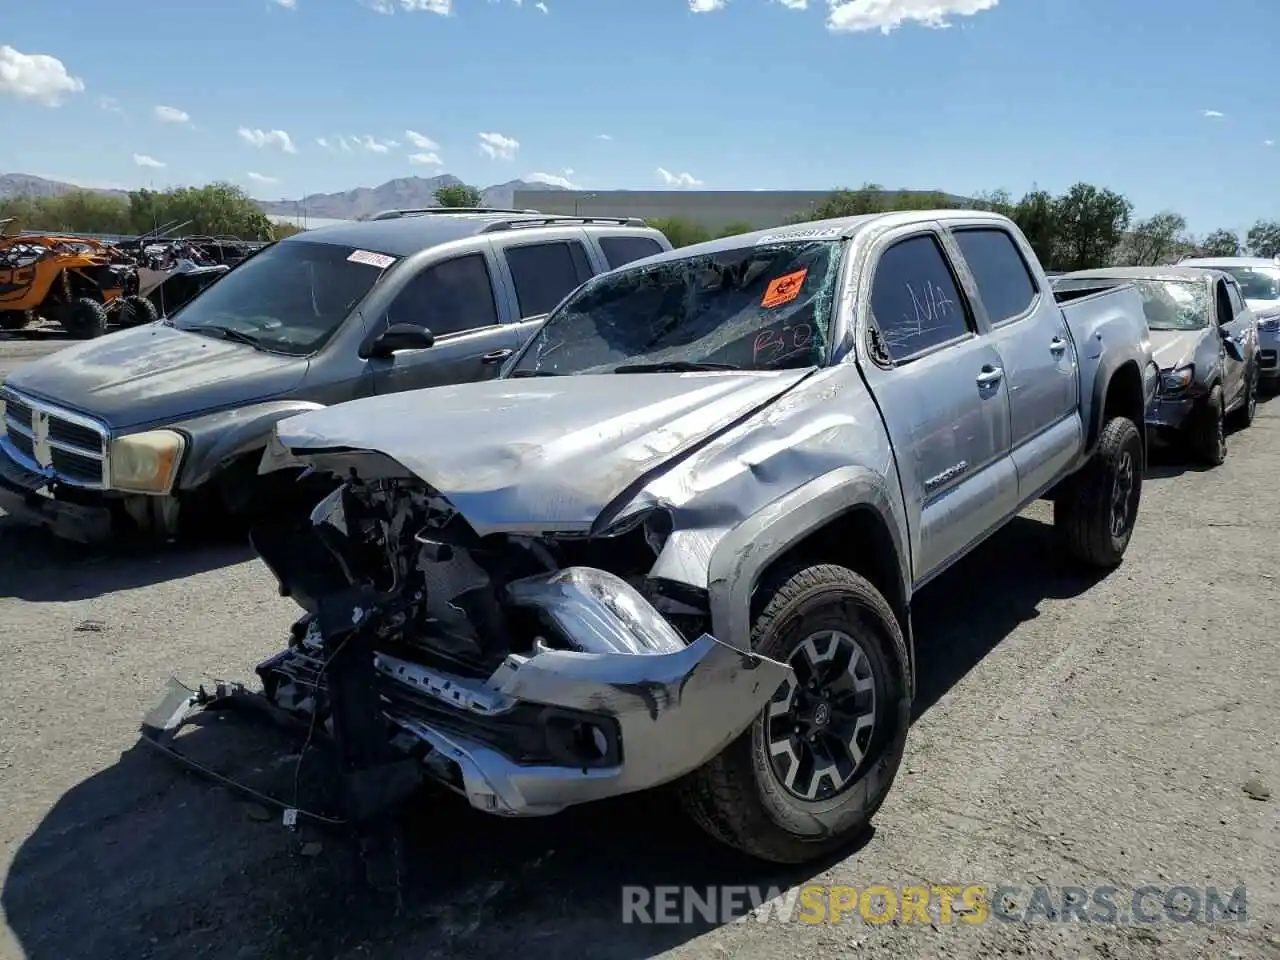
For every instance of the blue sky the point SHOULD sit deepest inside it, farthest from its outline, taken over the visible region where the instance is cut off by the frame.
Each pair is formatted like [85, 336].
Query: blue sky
[1172, 103]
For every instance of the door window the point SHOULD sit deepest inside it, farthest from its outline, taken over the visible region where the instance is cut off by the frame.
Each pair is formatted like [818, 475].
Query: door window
[916, 304]
[620, 250]
[1237, 302]
[1004, 282]
[448, 297]
[545, 273]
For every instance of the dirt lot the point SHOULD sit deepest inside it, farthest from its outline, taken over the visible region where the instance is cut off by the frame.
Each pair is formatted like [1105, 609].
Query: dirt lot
[1070, 732]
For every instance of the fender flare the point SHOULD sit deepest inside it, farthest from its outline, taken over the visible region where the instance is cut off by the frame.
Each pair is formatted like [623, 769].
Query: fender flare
[743, 553]
[1108, 367]
[216, 440]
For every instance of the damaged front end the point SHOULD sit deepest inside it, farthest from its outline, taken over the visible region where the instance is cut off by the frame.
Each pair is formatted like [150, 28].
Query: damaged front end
[527, 674]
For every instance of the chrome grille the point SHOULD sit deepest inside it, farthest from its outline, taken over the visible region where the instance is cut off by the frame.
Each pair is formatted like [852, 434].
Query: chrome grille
[57, 443]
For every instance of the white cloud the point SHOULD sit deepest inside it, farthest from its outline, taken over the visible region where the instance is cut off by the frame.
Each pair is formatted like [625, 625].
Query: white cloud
[37, 77]
[287, 4]
[426, 159]
[442, 7]
[261, 178]
[541, 6]
[374, 145]
[706, 6]
[142, 160]
[171, 115]
[568, 171]
[552, 179]
[322, 142]
[1268, 143]
[497, 147]
[853, 16]
[678, 179]
[795, 4]
[1213, 114]
[267, 138]
[603, 136]
[420, 141]
[110, 104]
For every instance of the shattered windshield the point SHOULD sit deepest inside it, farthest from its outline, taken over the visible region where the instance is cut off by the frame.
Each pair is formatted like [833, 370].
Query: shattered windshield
[1174, 304]
[749, 308]
[290, 298]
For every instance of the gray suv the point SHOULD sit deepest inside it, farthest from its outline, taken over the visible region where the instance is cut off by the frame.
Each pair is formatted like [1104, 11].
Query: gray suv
[144, 424]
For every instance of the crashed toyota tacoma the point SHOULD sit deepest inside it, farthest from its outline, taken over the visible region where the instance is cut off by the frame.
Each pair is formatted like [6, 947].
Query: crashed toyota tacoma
[677, 540]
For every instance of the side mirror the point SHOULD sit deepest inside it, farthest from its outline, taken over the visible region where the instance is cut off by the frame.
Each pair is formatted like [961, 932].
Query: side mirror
[1234, 349]
[401, 336]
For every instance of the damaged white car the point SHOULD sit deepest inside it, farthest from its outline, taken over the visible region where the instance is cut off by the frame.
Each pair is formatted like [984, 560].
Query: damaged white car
[678, 537]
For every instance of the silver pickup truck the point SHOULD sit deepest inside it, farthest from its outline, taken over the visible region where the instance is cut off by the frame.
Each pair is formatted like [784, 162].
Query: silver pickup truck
[679, 537]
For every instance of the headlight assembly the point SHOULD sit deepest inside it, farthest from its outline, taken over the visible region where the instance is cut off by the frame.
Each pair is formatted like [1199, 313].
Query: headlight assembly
[146, 462]
[1175, 381]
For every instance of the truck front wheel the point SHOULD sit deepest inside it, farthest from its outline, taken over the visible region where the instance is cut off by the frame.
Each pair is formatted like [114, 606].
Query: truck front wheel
[1095, 514]
[808, 775]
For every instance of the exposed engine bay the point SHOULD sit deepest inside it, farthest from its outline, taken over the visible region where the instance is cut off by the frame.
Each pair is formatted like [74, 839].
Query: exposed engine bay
[527, 674]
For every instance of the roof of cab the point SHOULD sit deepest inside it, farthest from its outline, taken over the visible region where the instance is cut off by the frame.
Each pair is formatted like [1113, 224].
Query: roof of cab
[406, 235]
[1230, 262]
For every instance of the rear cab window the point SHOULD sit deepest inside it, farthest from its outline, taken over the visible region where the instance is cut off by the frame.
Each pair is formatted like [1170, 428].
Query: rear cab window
[545, 273]
[1004, 281]
[622, 250]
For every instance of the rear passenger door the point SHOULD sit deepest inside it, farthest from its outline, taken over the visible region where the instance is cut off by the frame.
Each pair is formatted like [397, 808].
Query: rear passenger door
[941, 392]
[541, 274]
[1030, 333]
[454, 299]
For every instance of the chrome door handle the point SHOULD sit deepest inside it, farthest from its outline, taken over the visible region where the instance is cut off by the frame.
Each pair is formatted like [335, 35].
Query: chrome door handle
[1057, 345]
[496, 357]
[989, 376]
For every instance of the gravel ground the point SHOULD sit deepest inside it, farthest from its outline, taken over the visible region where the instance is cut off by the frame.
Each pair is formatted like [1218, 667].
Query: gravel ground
[1070, 732]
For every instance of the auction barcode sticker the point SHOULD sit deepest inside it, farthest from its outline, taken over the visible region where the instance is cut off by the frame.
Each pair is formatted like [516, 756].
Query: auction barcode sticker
[379, 260]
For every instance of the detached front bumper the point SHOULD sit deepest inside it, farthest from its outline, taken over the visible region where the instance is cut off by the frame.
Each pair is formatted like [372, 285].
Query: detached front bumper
[630, 708]
[22, 496]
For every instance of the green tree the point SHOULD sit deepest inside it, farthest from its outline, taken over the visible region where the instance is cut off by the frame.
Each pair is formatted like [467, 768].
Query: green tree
[1037, 217]
[1091, 222]
[681, 232]
[458, 195]
[216, 209]
[1220, 243]
[1154, 241]
[281, 230]
[868, 198]
[995, 201]
[1264, 238]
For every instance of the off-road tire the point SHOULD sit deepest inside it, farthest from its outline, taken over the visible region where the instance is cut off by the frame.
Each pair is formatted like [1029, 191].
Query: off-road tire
[1082, 514]
[1206, 434]
[1242, 418]
[136, 310]
[736, 797]
[85, 319]
[14, 319]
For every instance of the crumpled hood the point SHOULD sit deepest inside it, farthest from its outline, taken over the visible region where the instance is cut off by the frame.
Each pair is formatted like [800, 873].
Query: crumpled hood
[1175, 348]
[156, 373]
[539, 454]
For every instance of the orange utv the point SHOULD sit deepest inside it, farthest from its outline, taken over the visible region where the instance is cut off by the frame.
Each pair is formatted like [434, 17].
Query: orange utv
[81, 284]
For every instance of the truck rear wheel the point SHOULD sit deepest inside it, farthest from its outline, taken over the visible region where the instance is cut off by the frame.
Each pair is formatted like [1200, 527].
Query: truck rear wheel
[1094, 516]
[809, 774]
[85, 319]
[1207, 432]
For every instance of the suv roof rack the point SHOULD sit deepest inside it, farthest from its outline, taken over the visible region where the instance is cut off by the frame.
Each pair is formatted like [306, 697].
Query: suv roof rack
[544, 221]
[396, 214]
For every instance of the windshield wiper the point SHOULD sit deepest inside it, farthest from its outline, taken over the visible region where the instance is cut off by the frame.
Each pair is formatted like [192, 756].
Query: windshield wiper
[227, 333]
[532, 373]
[673, 366]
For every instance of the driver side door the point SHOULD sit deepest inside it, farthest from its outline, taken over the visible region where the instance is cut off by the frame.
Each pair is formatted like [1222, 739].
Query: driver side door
[1234, 320]
[454, 299]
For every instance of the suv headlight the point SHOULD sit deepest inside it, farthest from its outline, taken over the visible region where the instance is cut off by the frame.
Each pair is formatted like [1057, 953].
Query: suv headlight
[1175, 381]
[146, 462]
